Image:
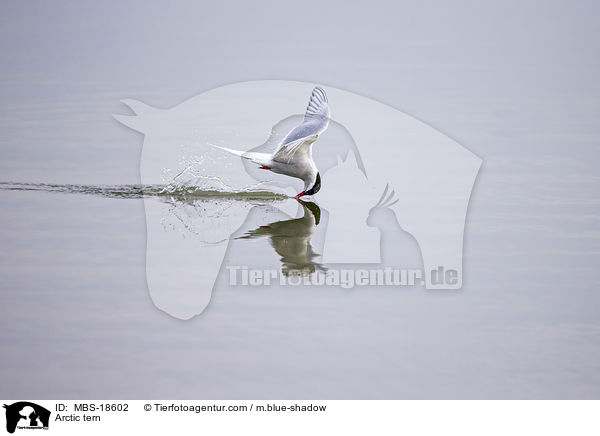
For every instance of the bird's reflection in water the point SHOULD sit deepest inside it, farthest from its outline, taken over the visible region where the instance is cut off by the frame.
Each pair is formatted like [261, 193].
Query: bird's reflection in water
[291, 240]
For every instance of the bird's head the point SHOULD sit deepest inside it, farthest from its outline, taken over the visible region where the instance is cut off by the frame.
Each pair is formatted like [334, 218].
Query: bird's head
[316, 186]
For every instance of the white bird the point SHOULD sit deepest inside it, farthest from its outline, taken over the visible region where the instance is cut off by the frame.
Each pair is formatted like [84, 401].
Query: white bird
[293, 156]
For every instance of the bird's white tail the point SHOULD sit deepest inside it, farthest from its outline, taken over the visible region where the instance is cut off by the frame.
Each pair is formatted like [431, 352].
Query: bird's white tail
[259, 158]
[236, 152]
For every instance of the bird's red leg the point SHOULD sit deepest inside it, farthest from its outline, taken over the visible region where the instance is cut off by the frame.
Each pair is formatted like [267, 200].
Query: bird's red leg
[264, 167]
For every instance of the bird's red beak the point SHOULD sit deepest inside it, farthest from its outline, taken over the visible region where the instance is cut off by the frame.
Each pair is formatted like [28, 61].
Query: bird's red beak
[301, 194]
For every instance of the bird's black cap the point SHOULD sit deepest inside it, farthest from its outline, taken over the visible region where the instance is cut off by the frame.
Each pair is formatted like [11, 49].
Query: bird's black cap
[316, 187]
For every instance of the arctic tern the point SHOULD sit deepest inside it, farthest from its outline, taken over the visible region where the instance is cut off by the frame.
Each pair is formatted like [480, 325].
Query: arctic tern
[293, 156]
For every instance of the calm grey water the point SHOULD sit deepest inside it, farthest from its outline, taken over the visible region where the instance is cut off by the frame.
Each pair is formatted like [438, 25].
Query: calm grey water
[514, 83]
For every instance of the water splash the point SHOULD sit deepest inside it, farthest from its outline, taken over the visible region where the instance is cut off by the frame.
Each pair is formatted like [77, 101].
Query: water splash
[184, 192]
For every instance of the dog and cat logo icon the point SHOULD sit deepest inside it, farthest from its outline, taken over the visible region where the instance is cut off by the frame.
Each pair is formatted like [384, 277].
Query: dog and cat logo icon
[26, 415]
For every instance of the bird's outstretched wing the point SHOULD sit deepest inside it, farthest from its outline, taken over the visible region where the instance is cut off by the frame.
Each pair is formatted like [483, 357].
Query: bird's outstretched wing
[316, 120]
[318, 107]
